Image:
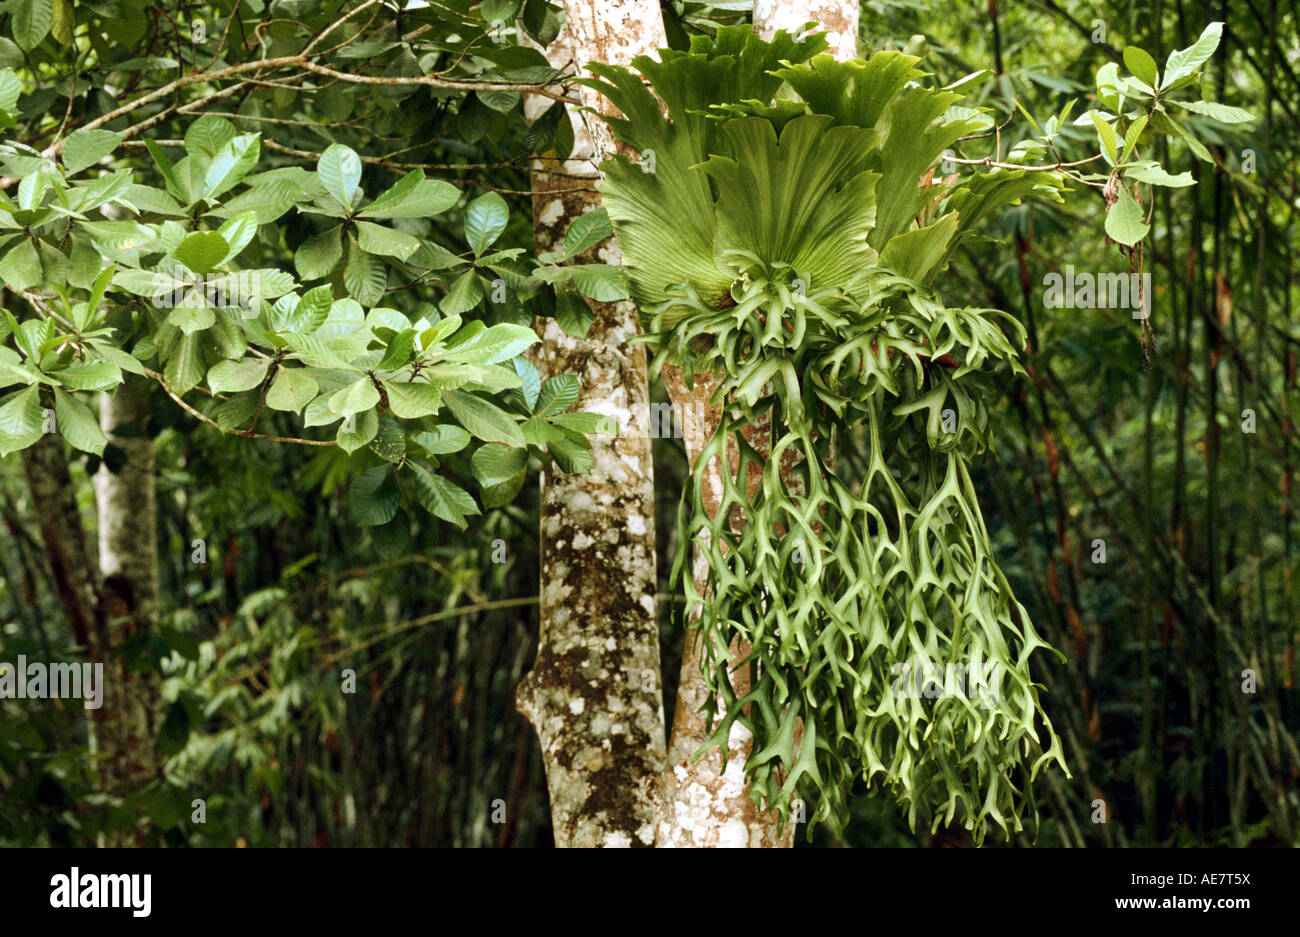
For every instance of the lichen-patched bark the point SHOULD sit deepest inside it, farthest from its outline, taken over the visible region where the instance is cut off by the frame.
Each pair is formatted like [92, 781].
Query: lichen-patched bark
[594, 694]
[128, 561]
[838, 18]
[703, 804]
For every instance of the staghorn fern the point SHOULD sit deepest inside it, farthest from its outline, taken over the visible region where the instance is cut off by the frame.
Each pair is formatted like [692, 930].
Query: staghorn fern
[786, 239]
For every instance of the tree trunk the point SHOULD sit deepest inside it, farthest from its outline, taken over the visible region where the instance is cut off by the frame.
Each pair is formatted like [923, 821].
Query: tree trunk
[704, 805]
[594, 693]
[128, 562]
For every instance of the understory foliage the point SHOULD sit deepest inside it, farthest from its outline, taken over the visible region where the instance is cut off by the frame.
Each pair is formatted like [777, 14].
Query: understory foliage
[787, 234]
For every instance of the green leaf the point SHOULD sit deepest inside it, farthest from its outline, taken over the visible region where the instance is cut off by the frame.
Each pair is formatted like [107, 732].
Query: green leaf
[442, 440]
[90, 375]
[373, 497]
[238, 231]
[184, 367]
[339, 169]
[362, 429]
[1153, 173]
[291, 390]
[358, 396]
[412, 399]
[21, 420]
[390, 442]
[202, 250]
[398, 352]
[493, 463]
[365, 277]
[318, 256]
[1185, 61]
[77, 424]
[587, 231]
[500, 471]
[558, 394]
[485, 219]
[1106, 134]
[1124, 221]
[602, 282]
[531, 382]
[465, 293]
[1223, 113]
[442, 498]
[484, 419]
[380, 240]
[21, 267]
[207, 135]
[498, 343]
[427, 198]
[31, 21]
[1141, 64]
[237, 375]
[87, 147]
[232, 163]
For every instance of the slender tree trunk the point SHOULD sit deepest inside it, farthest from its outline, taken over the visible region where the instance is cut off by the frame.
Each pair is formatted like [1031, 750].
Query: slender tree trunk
[703, 804]
[128, 562]
[594, 693]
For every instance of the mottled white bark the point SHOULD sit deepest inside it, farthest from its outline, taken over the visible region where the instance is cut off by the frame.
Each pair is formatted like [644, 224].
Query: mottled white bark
[703, 804]
[838, 18]
[594, 694]
[128, 562]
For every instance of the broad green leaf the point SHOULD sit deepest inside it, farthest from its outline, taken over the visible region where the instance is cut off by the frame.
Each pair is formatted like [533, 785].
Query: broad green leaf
[339, 169]
[530, 382]
[1141, 64]
[494, 463]
[412, 399]
[1106, 134]
[31, 21]
[1223, 113]
[201, 251]
[558, 394]
[184, 367]
[365, 277]
[1154, 174]
[237, 375]
[319, 255]
[442, 440]
[358, 396]
[77, 424]
[1186, 61]
[373, 496]
[22, 420]
[442, 498]
[498, 343]
[483, 419]
[87, 147]
[20, 268]
[587, 231]
[90, 375]
[208, 135]
[356, 432]
[377, 239]
[291, 390]
[1124, 221]
[232, 163]
[465, 293]
[485, 219]
[390, 442]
